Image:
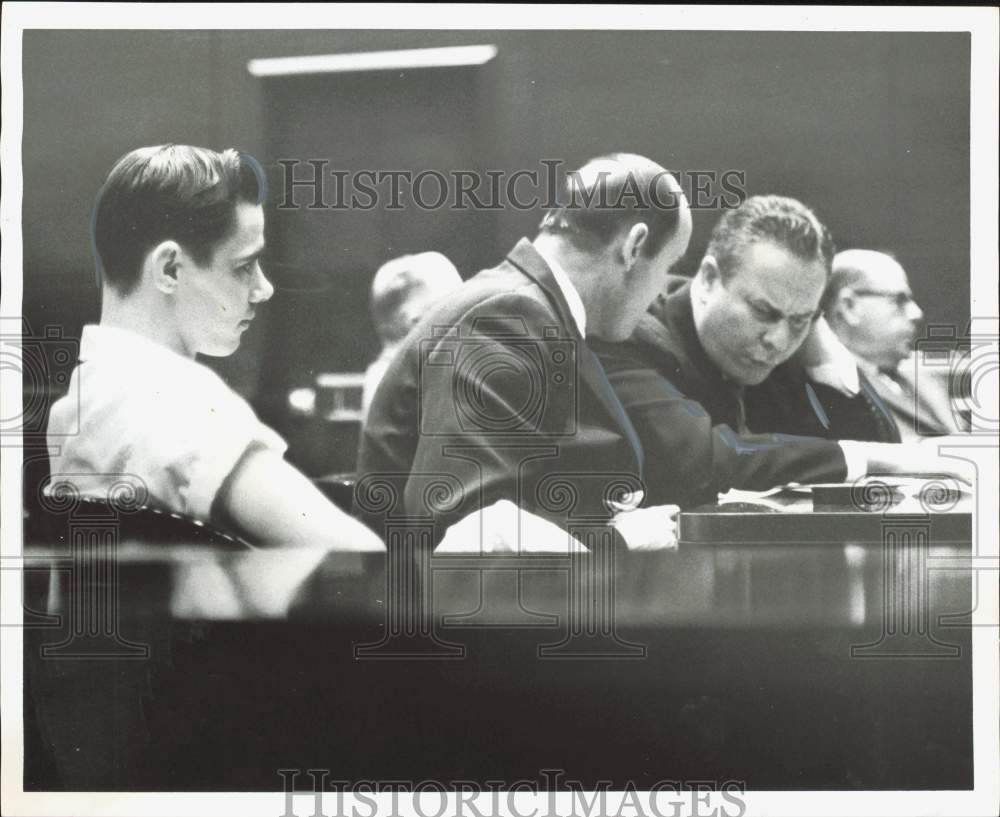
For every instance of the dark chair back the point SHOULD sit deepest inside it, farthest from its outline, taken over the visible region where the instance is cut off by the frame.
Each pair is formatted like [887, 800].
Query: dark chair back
[100, 645]
[50, 516]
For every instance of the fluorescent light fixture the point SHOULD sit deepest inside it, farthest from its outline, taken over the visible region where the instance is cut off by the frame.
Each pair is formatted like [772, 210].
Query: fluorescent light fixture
[373, 61]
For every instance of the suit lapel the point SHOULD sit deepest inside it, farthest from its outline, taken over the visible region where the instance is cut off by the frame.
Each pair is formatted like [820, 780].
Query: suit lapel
[592, 373]
[929, 397]
[898, 401]
[668, 326]
[527, 259]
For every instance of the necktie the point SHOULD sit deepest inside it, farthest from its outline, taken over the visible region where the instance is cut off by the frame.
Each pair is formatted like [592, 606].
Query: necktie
[619, 411]
[888, 430]
[891, 380]
[741, 412]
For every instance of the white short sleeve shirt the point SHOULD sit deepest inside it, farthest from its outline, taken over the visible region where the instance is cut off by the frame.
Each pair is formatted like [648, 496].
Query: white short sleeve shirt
[140, 414]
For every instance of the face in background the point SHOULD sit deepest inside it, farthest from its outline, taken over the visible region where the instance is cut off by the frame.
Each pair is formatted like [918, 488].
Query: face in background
[214, 303]
[881, 317]
[411, 285]
[421, 300]
[760, 315]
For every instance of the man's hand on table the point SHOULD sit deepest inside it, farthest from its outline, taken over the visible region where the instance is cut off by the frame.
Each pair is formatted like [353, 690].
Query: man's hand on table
[505, 528]
[917, 459]
[648, 528]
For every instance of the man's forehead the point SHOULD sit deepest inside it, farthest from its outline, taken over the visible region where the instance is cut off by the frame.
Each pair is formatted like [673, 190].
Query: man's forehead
[876, 270]
[247, 236]
[782, 277]
[889, 276]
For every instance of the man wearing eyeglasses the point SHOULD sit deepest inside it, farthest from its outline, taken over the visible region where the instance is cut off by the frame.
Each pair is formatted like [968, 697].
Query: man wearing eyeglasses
[734, 380]
[870, 306]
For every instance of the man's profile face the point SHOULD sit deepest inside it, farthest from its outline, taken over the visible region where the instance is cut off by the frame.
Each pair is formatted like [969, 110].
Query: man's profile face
[652, 275]
[888, 317]
[760, 316]
[216, 301]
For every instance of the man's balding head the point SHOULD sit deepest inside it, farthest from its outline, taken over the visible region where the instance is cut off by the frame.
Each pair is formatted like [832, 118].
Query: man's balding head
[621, 223]
[610, 194]
[405, 288]
[870, 306]
[865, 269]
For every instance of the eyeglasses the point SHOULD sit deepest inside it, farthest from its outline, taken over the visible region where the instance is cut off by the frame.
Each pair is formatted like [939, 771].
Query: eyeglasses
[901, 299]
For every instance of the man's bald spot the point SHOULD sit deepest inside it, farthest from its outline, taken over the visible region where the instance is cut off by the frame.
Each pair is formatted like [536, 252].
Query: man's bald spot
[654, 179]
[868, 265]
[857, 269]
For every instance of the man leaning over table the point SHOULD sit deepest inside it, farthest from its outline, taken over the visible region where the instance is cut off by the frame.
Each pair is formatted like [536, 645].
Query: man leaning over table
[497, 394]
[734, 380]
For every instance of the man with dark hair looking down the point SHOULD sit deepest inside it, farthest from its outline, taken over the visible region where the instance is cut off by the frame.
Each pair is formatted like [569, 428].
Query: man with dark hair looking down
[733, 379]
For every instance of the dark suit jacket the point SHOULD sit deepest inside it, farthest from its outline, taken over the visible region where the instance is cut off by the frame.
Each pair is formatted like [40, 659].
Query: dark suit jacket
[690, 418]
[919, 397]
[494, 395]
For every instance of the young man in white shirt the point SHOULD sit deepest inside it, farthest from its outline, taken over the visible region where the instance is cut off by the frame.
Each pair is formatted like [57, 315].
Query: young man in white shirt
[179, 232]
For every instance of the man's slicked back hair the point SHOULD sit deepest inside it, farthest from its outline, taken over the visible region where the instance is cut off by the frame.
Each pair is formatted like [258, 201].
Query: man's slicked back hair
[782, 221]
[169, 192]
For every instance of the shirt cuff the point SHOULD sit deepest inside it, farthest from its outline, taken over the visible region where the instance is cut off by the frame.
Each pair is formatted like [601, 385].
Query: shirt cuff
[856, 459]
[840, 372]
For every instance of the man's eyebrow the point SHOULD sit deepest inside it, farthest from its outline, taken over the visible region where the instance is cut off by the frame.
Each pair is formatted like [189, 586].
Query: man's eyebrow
[251, 256]
[765, 304]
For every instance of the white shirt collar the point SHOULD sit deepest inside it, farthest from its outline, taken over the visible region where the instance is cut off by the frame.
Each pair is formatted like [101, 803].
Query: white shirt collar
[866, 366]
[573, 299]
[873, 372]
[97, 342]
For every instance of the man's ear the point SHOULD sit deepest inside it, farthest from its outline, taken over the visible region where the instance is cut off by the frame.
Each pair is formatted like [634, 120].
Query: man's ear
[632, 246]
[163, 262]
[845, 307]
[708, 277]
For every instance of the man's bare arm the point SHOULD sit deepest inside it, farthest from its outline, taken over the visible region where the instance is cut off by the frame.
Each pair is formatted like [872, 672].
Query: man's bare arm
[275, 505]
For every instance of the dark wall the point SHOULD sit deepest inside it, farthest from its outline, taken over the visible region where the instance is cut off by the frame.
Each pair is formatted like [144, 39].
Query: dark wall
[871, 129]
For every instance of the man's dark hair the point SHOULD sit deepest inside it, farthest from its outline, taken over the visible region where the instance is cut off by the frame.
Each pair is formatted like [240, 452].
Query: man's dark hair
[610, 194]
[780, 220]
[169, 192]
